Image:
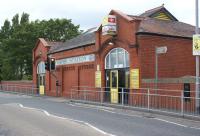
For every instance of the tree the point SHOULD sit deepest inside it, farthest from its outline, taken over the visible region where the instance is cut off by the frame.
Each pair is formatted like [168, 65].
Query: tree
[18, 39]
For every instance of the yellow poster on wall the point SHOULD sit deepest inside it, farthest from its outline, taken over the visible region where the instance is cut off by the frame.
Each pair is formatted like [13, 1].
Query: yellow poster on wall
[41, 90]
[98, 79]
[134, 79]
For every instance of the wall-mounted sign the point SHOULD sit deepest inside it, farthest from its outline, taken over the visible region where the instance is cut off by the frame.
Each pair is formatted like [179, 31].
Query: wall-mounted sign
[77, 59]
[134, 79]
[98, 79]
[196, 44]
[109, 25]
[161, 50]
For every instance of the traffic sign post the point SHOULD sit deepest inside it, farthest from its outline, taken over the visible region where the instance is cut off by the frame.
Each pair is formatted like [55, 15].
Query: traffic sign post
[158, 50]
[196, 52]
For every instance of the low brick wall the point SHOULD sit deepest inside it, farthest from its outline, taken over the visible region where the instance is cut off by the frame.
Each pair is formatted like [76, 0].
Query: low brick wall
[19, 86]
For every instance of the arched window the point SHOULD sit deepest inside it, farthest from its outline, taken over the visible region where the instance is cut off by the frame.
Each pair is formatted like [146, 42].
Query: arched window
[117, 58]
[41, 68]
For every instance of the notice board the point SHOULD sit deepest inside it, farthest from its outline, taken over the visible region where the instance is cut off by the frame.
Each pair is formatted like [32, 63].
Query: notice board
[134, 79]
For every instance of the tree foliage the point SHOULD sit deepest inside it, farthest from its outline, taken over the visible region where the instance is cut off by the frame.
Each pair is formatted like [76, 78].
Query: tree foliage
[18, 37]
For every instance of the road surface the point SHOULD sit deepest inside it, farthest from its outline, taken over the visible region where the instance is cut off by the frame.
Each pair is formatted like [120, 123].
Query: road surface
[25, 115]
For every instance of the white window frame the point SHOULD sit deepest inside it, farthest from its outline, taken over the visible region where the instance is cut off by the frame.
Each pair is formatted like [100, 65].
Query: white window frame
[117, 63]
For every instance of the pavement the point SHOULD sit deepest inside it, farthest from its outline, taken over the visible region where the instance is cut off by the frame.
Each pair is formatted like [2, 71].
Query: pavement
[98, 120]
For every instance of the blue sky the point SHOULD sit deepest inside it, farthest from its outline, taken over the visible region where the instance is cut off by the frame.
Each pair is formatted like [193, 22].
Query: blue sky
[89, 13]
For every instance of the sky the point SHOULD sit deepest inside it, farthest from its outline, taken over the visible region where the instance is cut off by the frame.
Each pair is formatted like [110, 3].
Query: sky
[89, 13]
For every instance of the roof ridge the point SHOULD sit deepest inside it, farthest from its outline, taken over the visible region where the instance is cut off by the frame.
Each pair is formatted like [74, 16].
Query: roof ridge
[154, 9]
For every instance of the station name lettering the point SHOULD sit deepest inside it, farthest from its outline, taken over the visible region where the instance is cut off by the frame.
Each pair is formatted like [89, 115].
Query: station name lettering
[77, 59]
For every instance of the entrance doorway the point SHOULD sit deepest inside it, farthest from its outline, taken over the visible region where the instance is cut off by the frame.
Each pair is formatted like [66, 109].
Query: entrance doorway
[117, 75]
[116, 80]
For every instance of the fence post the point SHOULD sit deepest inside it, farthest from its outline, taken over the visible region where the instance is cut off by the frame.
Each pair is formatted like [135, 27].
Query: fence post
[148, 99]
[32, 90]
[182, 104]
[84, 94]
[101, 95]
[122, 96]
[71, 94]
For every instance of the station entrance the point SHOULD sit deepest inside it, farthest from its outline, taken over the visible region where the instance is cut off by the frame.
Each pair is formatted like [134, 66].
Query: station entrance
[117, 75]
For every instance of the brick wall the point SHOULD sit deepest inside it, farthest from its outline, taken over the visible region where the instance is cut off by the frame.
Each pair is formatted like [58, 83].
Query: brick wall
[26, 83]
[177, 62]
[19, 86]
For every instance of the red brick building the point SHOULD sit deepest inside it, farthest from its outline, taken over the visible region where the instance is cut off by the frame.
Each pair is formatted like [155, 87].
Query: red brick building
[123, 59]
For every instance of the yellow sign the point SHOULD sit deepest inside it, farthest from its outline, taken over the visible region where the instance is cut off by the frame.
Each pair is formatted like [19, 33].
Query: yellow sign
[41, 90]
[98, 79]
[134, 79]
[105, 21]
[196, 44]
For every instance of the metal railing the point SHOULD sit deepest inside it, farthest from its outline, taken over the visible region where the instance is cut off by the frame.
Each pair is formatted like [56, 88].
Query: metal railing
[19, 89]
[161, 100]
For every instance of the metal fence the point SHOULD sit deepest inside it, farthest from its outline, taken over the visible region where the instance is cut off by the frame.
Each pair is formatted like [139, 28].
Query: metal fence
[161, 100]
[19, 89]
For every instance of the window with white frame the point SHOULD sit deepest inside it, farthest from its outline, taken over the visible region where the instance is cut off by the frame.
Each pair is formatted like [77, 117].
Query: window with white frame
[117, 58]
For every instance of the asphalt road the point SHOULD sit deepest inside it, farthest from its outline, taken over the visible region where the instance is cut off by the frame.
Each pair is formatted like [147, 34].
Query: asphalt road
[26, 115]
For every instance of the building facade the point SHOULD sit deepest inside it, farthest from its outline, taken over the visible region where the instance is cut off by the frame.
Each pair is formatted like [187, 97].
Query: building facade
[120, 54]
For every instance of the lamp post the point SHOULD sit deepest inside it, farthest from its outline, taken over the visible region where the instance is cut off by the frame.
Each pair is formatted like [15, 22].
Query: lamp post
[197, 58]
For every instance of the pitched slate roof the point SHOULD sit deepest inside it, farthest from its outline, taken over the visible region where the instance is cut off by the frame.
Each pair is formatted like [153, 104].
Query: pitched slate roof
[166, 27]
[86, 38]
[148, 25]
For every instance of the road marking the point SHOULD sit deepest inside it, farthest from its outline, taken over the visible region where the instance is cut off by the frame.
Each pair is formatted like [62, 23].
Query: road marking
[170, 122]
[97, 129]
[83, 122]
[90, 106]
[46, 113]
[102, 108]
[108, 111]
[195, 128]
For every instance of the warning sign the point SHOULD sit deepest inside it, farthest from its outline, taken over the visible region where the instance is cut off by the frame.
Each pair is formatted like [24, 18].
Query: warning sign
[196, 44]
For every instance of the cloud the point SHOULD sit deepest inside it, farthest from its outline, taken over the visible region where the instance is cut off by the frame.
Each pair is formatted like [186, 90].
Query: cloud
[89, 13]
